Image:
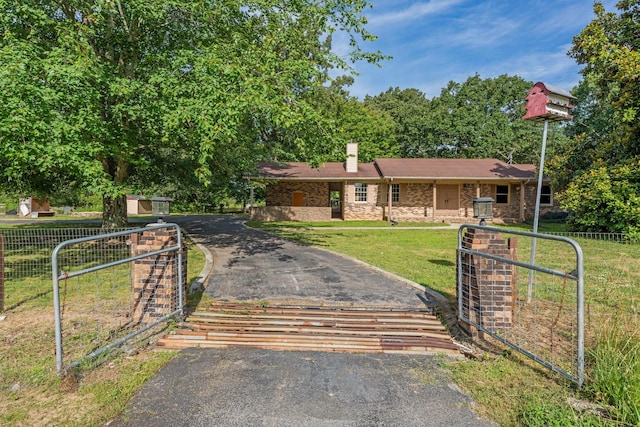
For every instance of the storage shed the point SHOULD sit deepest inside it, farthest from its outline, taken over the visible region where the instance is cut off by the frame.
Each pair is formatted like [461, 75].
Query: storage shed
[138, 205]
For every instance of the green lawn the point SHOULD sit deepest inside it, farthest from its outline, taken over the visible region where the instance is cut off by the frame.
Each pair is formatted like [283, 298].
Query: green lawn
[341, 224]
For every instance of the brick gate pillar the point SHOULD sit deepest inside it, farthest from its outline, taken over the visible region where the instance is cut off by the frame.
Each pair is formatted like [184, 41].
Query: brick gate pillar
[488, 286]
[155, 278]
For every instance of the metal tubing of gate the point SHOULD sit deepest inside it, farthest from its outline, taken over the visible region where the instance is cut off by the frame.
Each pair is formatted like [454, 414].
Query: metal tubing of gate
[577, 275]
[57, 275]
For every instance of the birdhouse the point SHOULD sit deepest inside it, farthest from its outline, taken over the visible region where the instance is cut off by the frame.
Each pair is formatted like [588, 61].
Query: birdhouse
[548, 102]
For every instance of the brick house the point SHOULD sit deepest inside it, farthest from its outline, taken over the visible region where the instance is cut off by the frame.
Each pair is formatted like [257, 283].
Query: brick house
[440, 190]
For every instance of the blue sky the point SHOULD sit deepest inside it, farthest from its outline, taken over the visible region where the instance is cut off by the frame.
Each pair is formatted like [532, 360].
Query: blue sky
[436, 41]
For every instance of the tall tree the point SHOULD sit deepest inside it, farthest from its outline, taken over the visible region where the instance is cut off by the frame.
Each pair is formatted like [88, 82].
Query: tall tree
[96, 92]
[602, 186]
[483, 118]
[608, 48]
[354, 121]
[408, 108]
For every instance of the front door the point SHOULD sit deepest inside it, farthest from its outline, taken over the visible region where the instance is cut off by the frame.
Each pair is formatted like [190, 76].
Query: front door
[298, 198]
[447, 200]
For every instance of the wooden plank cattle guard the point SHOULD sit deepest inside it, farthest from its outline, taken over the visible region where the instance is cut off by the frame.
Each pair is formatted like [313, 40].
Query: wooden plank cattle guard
[337, 329]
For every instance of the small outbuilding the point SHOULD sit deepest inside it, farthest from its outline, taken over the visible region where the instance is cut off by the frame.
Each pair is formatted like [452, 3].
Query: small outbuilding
[138, 205]
[35, 207]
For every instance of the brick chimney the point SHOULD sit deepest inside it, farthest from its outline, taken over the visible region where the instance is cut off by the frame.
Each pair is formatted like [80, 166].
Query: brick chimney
[352, 157]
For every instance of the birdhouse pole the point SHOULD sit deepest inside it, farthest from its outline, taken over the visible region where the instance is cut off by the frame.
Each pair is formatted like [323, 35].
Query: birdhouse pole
[546, 103]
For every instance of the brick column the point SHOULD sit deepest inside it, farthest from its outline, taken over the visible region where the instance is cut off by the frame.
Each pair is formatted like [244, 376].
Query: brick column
[155, 278]
[488, 286]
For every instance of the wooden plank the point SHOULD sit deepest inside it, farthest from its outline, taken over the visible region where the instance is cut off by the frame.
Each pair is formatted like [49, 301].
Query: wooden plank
[352, 331]
[319, 312]
[217, 317]
[313, 329]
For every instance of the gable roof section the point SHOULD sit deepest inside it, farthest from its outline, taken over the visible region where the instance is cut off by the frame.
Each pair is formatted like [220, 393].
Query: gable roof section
[476, 169]
[327, 172]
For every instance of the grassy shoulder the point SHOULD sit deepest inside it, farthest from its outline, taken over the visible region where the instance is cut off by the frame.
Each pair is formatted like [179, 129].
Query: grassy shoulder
[31, 393]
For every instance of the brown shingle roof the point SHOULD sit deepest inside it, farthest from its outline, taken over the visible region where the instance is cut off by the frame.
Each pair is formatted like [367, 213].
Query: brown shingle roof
[453, 169]
[423, 169]
[326, 172]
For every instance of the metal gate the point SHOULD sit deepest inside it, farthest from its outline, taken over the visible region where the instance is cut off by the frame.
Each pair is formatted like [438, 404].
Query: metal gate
[535, 308]
[110, 288]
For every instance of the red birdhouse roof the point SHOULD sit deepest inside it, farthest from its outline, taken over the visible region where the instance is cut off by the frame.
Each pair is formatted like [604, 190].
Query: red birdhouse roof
[548, 102]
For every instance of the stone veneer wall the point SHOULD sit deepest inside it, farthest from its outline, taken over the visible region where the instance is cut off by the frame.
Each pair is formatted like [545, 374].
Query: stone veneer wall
[416, 202]
[290, 213]
[154, 279]
[488, 286]
[368, 210]
[315, 194]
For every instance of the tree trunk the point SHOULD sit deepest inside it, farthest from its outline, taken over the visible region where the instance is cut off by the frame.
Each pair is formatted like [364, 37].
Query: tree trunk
[114, 212]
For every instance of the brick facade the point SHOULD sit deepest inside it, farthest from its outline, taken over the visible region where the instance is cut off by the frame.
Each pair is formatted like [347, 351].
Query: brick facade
[358, 210]
[314, 194]
[290, 213]
[154, 279]
[488, 286]
[416, 202]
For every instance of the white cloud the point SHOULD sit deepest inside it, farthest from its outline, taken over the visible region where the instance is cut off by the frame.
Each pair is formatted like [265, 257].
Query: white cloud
[440, 41]
[412, 13]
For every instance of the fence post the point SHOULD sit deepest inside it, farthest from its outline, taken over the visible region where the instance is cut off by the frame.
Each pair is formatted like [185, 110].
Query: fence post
[487, 285]
[155, 280]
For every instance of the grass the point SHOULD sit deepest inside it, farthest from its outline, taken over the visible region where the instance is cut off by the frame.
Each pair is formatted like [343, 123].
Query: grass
[341, 224]
[508, 387]
[32, 394]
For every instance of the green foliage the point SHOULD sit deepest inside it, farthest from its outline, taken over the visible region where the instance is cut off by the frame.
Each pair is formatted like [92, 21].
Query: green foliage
[545, 414]
[608, 47]
[482, 118]
[605, 199]
[353, 120]
[111, 96]
[408, 109]
[598, 173]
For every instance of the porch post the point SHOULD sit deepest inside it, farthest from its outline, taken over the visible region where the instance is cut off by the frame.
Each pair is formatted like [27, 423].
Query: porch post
[522, 201]
[390, 198]
[435, 195]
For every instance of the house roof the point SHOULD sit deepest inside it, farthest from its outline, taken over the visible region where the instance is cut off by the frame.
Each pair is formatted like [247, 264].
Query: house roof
[327, 171]
[477, 169]
[410, 169]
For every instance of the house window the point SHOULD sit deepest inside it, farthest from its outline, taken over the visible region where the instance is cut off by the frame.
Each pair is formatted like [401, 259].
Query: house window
[395, 193]
[545, 195]
[502, 194]
[361, 192]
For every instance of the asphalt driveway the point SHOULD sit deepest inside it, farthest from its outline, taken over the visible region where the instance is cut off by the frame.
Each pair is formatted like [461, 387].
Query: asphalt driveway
[248, 387]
